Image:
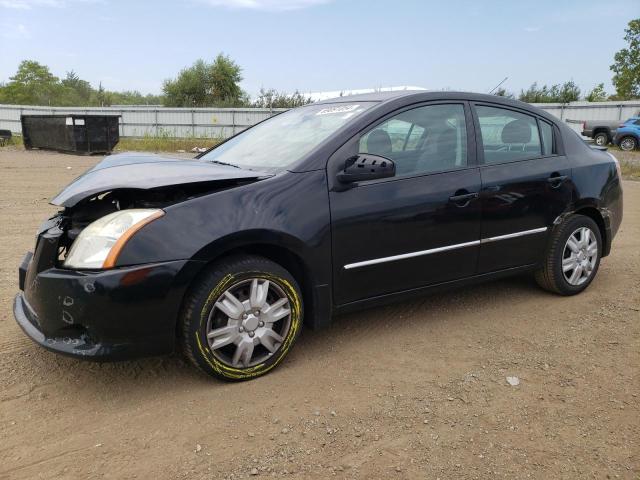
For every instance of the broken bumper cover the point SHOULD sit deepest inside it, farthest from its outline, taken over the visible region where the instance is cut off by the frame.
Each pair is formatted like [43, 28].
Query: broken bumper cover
[103, 315]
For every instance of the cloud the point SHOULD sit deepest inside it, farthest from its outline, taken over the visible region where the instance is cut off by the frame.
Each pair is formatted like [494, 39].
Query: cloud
[30, 4]
[11, 31]
[273, 5]
[532, 29]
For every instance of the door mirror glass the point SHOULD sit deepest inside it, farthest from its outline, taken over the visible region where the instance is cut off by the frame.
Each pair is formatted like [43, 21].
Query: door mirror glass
[366, 167]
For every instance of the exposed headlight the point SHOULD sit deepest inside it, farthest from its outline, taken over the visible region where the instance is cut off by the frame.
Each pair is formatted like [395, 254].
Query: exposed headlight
[100, 243]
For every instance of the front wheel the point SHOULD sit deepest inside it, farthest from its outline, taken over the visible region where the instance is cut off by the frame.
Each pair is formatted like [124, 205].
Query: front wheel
[242, 318]
[628, 144]
[601, 139]
[573, 257]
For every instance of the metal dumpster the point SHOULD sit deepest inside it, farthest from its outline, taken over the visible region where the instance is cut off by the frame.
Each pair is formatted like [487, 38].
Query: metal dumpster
[71, 133]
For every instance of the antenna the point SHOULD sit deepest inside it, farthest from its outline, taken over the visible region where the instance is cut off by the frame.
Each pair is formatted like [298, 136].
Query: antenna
[494, 88]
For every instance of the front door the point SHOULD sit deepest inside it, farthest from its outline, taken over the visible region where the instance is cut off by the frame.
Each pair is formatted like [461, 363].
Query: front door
[526, 185]
[420, 227]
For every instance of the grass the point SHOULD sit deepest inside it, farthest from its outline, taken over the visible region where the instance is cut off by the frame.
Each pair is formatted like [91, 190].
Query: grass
[163, 144]
[164, 141]
[630, 170]
[14, 141]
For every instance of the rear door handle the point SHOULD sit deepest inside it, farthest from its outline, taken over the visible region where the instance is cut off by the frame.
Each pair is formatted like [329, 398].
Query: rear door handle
[464, 199]
[557, 180]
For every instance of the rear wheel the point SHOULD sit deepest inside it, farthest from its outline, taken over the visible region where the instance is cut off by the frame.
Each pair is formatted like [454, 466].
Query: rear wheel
[242, 318]
[601, 139]
[573, 257]
[628, 143]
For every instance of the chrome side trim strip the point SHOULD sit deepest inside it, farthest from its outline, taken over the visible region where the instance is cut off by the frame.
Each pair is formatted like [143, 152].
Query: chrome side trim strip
[514, 235]
[410, 255]
[404, 256]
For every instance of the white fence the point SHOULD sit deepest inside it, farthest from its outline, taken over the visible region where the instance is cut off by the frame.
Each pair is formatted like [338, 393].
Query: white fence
[141, 121]
[224, 122]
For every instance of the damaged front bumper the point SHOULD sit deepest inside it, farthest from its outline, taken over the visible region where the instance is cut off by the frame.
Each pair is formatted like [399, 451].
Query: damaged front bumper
[102, 315]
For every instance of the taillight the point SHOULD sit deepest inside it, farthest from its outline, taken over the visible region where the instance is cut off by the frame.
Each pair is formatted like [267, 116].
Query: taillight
[584, 125]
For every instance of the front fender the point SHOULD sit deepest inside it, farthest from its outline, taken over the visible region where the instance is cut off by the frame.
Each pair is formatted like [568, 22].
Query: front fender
[290, 210]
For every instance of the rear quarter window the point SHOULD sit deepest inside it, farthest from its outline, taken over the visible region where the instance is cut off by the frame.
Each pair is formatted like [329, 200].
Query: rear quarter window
[548, 144]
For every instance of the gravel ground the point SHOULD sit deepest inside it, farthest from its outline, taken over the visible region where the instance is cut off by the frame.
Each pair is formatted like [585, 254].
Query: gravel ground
[413, 390]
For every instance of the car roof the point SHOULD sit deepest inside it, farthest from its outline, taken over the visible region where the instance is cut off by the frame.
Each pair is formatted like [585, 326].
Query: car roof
[414, 96]
[430, 94]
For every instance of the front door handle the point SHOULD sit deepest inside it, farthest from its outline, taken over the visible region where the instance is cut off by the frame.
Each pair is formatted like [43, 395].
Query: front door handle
[557, 180]
[464, 199]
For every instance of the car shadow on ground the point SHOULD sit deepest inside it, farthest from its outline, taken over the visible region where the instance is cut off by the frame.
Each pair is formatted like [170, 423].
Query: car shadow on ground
[403, 315]
[173, 373]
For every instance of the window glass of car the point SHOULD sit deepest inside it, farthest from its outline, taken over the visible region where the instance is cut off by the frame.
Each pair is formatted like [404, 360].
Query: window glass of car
[507, 135]
[547, 138]
[284, 139]
[422, 140]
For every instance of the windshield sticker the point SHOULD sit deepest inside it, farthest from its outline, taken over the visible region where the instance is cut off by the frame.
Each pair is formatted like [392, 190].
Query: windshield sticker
[338, 109]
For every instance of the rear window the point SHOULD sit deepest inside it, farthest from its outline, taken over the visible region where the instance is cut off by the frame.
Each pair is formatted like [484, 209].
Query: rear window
[508, 135]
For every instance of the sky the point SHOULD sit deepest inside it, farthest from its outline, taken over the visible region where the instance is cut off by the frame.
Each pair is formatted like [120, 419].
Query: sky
[320, 45]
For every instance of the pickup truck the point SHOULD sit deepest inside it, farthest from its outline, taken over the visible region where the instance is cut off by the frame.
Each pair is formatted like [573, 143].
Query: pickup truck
[602, 131]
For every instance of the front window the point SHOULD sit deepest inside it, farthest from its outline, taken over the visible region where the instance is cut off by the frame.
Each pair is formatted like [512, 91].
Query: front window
[423, 140]
[282, 140]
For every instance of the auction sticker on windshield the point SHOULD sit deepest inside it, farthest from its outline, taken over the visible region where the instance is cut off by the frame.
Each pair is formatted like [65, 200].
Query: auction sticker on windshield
[338, 109]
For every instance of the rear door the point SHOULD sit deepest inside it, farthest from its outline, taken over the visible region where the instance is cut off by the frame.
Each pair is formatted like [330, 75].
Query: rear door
[526, 185]
[418, 228]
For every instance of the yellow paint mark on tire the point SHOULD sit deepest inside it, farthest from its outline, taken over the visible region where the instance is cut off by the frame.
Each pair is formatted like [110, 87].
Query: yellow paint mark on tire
[296, 322]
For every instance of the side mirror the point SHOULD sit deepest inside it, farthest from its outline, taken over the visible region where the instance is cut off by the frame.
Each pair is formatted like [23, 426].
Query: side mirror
[366, 167]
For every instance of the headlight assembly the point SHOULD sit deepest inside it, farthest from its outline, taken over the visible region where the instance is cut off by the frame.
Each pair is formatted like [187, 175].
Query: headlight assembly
[100, 243]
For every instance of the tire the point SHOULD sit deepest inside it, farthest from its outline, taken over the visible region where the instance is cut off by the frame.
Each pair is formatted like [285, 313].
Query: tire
[601, 139]
[628, 144]
[255, 331]
[560, 255]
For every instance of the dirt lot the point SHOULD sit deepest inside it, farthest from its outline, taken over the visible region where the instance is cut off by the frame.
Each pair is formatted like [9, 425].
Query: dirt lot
[414, 390]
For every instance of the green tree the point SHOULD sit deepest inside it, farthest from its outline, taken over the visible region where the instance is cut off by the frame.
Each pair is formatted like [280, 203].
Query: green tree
[225, 76]
[565, 93]
[626, 69]
[75, 91]
[502, 92]
[33, 84]
[568, 92]
[597, 94]
[273, 99]
[206, 84]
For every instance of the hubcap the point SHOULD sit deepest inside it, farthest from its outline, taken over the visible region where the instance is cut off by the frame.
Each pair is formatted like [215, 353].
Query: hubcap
[627, 144]
[600, 140]
[579, 256]
[248, 323]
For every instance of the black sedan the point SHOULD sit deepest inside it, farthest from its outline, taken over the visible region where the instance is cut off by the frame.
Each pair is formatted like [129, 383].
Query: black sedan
[324, 209]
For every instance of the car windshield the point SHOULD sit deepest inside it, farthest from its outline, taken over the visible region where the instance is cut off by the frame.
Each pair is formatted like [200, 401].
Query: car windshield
[282, 140]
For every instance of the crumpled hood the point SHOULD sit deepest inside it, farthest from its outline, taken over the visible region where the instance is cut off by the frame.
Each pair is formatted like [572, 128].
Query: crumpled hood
[145, 171]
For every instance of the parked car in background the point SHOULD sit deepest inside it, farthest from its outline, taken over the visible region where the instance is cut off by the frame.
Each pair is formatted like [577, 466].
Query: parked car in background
[324, 209]
[628, 134]
[602, 131]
